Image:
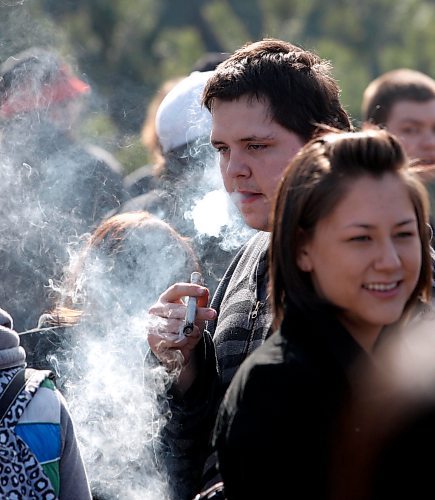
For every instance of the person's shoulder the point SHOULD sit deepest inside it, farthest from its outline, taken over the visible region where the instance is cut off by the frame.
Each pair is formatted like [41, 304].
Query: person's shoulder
[258, 243]
[266, 367]
[140, 181]
[40, 343]
[267, 358]
[155, 201]
[105, 158]
[271, 352]
[255, 248]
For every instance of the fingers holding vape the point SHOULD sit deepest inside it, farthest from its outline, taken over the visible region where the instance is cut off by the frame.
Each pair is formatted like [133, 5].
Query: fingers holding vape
[179, 325]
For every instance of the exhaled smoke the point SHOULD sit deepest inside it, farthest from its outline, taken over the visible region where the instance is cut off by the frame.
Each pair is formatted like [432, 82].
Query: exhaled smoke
[115, 397]
[53, 195]
[211, 210]
[215, 215]
[115, 389]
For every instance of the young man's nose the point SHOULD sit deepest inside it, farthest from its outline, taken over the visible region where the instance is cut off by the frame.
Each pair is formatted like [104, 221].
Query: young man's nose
[237, 165]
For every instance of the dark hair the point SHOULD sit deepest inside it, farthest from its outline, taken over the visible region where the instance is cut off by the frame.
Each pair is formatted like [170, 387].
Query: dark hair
[128, 257]
[391, 87]
[313, 184]
[295, 83]
[38, 63]
[209, 61]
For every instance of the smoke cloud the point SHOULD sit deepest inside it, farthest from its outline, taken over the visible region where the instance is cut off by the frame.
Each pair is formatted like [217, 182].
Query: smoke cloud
[114, 390]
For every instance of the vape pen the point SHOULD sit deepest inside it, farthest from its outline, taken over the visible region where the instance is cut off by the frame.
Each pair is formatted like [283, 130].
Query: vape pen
[189, 319]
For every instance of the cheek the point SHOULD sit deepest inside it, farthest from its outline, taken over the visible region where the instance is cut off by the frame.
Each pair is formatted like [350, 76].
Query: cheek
[413, 262]
[409, 143]
[224, 174]
[270, 182]
[333, 275]
[325, 283]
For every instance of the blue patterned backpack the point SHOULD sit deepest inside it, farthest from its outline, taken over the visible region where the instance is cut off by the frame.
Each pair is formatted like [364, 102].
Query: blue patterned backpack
[21, 475]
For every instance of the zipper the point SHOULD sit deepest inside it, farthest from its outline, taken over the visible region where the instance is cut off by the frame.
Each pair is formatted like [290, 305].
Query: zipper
[251, 320]
[252, 317]
[253, 314]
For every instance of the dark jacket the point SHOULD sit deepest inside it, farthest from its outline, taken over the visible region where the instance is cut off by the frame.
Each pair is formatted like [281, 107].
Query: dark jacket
[275, 430]
[47, 348]
[311, 415]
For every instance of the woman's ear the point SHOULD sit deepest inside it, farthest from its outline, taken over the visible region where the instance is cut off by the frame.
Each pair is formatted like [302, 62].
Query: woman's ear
[303, 256]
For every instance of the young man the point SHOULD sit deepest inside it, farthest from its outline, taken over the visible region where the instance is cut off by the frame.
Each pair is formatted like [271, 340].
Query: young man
[403, 101]
[266, 101]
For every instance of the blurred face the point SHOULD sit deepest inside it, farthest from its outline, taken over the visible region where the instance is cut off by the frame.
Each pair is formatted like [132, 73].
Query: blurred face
[414, 124]
[254, 151]
[365, 256]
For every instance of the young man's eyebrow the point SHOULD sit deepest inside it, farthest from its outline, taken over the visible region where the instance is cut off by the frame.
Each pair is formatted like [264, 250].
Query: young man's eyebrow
[250, 138]
[257, 138]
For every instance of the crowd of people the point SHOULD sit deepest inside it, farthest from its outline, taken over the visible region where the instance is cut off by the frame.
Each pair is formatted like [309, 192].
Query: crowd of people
[284, 386]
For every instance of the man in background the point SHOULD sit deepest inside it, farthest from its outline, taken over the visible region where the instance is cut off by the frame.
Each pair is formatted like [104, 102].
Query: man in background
[57, 186]
[403, 101]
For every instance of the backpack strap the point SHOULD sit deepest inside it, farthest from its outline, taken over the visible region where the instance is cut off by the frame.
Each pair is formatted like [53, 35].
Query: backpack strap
[25, 378]
[26, 474]
[10, 394]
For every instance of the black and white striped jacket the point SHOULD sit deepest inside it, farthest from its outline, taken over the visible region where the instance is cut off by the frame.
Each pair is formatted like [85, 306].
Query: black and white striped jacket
[243, 323]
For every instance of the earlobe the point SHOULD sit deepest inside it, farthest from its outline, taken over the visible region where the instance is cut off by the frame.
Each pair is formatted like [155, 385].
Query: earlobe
[304, 261]
[303, 257]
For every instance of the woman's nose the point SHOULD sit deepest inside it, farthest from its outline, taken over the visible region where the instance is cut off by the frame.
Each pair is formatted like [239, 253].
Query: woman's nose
[388, 256]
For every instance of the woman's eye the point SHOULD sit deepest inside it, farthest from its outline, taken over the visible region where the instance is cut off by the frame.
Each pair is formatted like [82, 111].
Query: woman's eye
[256, 147]
[360, 238]
[405, 234]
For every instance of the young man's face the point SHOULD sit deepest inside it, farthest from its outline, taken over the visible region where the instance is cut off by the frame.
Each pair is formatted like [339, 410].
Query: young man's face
[254, 151]
[413, 123]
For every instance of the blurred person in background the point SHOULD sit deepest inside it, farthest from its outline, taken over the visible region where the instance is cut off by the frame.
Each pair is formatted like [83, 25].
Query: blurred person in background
[187, 172]
[142, 179]
[145, 178]
[58, 186]
[210, 61]
[266, 101]
[403, 101]
[93, 340]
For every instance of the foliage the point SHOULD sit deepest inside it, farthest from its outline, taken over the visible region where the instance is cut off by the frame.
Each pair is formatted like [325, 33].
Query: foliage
[127, 48]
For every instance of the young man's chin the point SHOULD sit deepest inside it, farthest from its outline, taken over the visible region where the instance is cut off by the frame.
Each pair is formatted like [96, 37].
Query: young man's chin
[256, 222]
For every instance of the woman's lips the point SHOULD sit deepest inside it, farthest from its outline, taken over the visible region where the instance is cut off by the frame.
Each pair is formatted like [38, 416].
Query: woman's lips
[384, 290]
